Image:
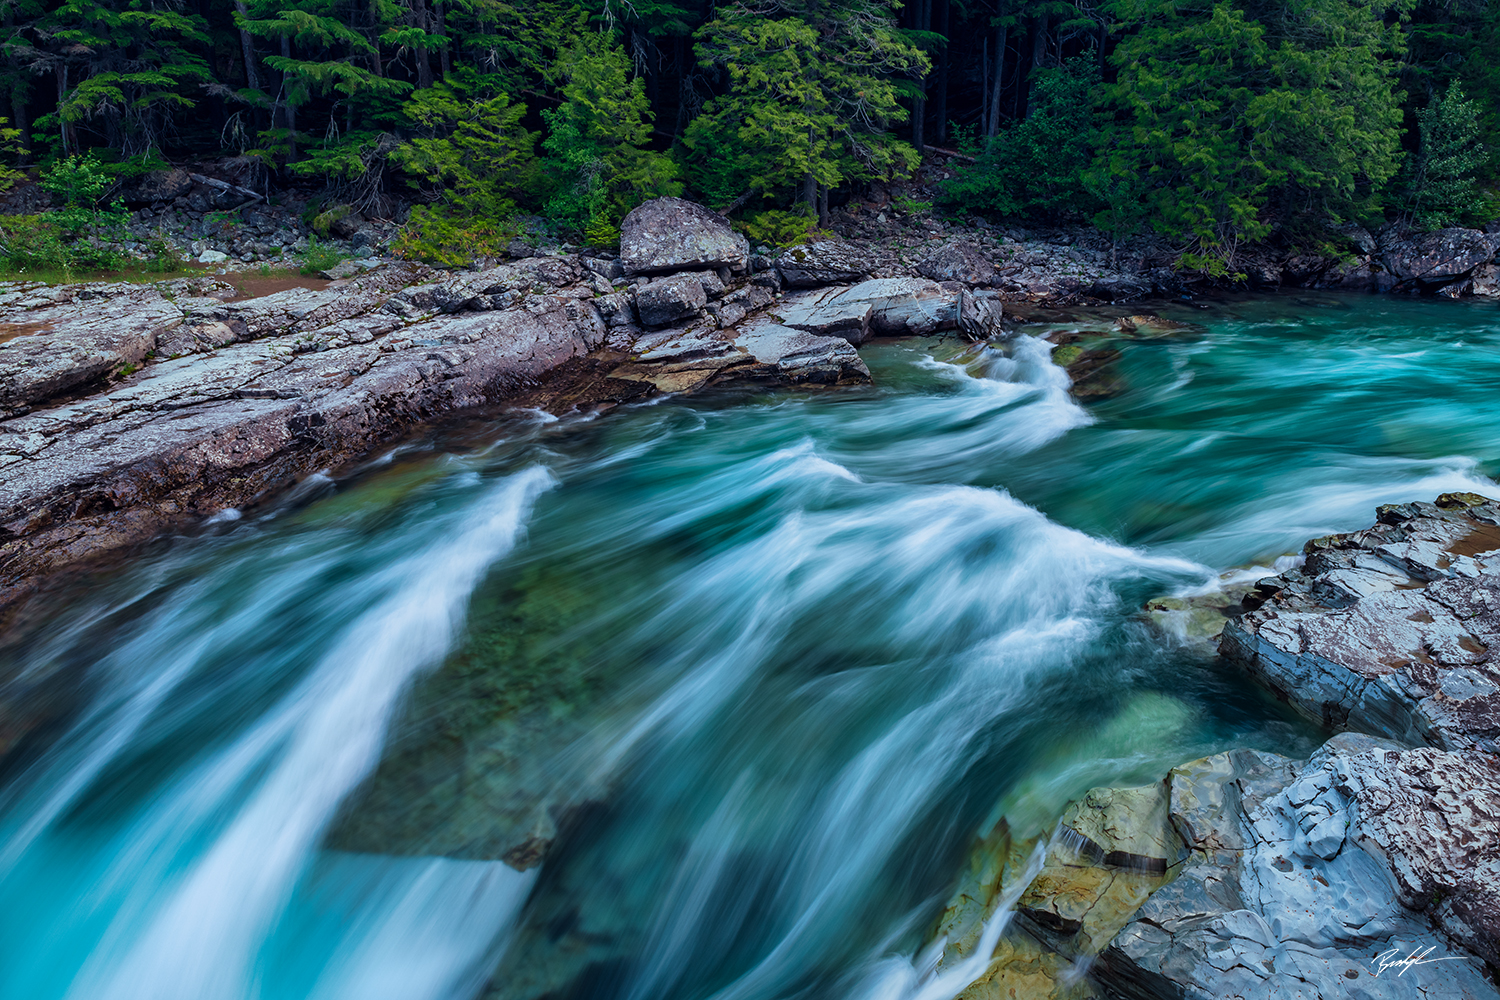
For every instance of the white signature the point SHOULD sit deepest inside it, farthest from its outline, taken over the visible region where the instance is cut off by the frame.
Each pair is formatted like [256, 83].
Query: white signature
[1393, 959]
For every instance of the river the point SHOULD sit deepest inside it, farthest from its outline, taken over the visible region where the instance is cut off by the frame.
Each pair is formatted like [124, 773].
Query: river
[732, 680]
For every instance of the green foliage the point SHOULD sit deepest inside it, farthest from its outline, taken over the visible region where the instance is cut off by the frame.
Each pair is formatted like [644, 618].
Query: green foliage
[319, 256]
[473, 145]
[779, 229]
[911, 206]
[438, 236]
[811, 99]
[598, 150]
[10, 154]
[1440, 189]
[81, 182]
[1037, 166]
[1221, 122]
[31, 243]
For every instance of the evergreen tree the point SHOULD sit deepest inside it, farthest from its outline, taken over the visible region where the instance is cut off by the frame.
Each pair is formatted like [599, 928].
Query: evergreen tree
[1440, 188]
[811, 97]
[598, 141]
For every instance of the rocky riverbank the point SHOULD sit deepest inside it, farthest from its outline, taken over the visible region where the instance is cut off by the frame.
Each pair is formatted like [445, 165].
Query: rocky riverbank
[1371, 869]
[128, 410]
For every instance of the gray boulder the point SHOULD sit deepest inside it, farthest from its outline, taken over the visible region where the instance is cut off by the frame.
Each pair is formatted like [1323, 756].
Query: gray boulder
[1441, 256]
[962, 262]
[667, 300]
[823, 263]
[670, 234]
[1388, 630]
[904, 306]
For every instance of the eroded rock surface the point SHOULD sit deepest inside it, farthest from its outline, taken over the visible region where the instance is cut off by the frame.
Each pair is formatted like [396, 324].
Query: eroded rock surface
[1388, 630]
[1440, 256]
[1251, 876]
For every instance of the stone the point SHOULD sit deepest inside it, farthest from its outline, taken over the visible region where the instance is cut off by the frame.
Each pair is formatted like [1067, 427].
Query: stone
[904, 306]
[786, 353]
[961, 262]
[823, 263]
[616, 308]
[159, 185]
[824, 312]
[1441, 256]
[1387, 630]
[64, 346]
[1285, 887]
[667, 300]
[665, 235]
[606, 269]
[212, 257]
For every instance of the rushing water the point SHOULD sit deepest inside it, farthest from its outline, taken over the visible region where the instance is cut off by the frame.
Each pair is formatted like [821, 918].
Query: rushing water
[770, 659]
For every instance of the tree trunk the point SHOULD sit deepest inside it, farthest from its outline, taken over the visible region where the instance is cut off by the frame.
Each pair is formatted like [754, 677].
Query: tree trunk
[810, 191]
[823, 206]
[424, 64]
[1038, 59]
[247, 49]
[288, 109]
[940, 101]
[922, 15]
[680, 57]
[992, 127]
[445, 54]
[18, 119]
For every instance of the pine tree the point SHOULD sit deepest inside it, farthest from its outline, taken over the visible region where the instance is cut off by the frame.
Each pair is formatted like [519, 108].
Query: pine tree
[1440, 189]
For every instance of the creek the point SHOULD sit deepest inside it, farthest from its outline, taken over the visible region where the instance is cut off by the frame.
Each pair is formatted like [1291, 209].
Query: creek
[735, 678]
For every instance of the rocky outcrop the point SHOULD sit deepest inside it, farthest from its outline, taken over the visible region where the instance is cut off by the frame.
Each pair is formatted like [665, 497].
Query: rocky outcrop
[1252, 876]
[824, 263]
[61, 339]
[1439, 257]
[669, 234]
[1388, 630]
[962, 262]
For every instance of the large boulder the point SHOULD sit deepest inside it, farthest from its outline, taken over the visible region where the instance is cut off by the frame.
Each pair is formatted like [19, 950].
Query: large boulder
[1246, 875]
[962, 262]
[905, 306]
[1441, 256]
[823, 263]
[671, 234]
[1388, 630]
[157, 186]
[667, 300]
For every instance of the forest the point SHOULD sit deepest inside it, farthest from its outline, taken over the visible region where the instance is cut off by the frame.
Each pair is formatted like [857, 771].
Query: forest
[1212, 122]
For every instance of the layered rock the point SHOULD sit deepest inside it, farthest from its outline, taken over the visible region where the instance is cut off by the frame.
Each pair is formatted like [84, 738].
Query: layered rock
[1439, 257]
[1249, 875]
[1388, 630]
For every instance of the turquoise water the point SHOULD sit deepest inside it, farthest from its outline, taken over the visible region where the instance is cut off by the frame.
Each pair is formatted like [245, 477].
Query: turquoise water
[746, 672]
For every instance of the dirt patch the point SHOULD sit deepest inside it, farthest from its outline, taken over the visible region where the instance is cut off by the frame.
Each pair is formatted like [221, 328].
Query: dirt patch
[253, 284]
[1483, 538]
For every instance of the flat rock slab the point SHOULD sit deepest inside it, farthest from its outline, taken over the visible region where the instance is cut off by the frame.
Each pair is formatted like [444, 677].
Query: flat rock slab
[59, 347]
[1389, 630]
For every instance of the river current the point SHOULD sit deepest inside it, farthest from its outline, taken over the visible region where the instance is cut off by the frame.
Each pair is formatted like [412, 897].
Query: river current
[736, 679]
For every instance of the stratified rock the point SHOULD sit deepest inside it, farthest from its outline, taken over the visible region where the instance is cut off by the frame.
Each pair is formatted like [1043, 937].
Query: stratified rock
[962, 262]
[1388, 630]
[56, 348]
[796, 355]
[1287, 889]
[904, 306]
[826, 312]
[823, 263]
[667, 300]
[1117, 287]
[1441, 256]
[670, 234]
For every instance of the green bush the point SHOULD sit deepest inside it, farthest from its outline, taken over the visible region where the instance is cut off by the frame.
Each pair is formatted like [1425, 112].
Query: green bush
[779, 229]
[438, 235]
[30, 243]
[319, 256]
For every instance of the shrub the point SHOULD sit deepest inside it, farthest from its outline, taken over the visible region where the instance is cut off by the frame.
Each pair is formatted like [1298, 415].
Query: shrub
[439, 236]
[42, 243]
[779, 229]
[319, 256]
